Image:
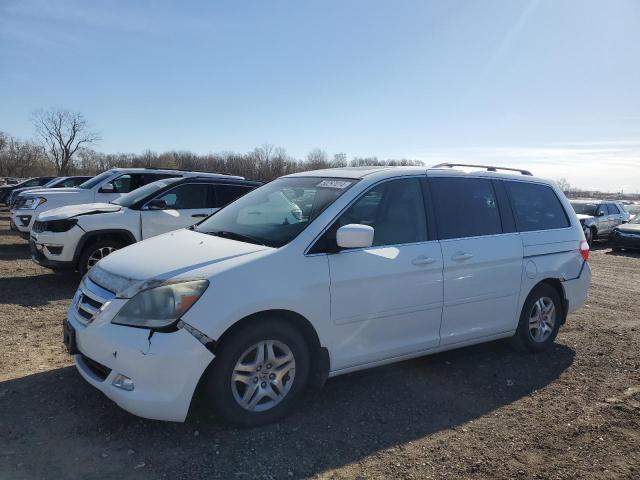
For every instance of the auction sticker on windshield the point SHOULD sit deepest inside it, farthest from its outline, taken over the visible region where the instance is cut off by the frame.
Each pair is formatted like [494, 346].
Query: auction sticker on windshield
[334, 184]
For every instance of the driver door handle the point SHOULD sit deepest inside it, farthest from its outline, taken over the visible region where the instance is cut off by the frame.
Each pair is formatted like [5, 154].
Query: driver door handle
[422, 260]
[461, 256]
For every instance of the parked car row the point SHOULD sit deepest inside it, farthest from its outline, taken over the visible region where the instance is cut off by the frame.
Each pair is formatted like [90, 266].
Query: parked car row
[309, 276]
[610, 221]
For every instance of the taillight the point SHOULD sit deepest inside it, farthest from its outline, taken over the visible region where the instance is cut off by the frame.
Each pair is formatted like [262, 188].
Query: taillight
[584, 250]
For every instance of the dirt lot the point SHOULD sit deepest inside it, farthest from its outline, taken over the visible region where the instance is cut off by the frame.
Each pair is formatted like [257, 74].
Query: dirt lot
[481, 412]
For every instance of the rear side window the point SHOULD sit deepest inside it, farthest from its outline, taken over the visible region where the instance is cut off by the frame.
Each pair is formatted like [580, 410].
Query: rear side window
[228, 193]
[465, 207]
[536, 207]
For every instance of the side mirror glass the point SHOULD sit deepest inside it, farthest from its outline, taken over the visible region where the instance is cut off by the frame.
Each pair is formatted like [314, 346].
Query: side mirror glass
[107, 188]
[354, 236]
[156, 204]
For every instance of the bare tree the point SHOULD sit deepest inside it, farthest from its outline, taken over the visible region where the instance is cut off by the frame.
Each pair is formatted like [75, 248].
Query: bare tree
[564, 185]
[63, 133]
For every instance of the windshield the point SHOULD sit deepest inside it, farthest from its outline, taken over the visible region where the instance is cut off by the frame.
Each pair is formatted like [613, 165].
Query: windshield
[52, 182]
[585, 208]
[141, 193]
[632, 209]
[276, 213]
[92, 182]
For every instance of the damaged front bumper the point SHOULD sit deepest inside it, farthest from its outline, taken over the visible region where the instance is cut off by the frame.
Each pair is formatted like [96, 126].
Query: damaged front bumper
[163, 369]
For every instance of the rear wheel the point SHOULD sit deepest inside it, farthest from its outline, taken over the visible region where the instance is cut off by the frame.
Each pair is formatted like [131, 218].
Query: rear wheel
[95, 252]
[259, 374]
[539, 320]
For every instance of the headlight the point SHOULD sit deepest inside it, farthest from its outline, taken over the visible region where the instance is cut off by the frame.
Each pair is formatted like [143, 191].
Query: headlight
[32, 203]
[160, 307]
[57, 226]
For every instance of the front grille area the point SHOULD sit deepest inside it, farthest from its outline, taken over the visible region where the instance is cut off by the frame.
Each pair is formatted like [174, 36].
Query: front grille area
[96, 368]
[90, 299]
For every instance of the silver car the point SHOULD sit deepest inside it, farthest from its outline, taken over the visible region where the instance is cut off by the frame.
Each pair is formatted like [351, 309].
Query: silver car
[599, 217]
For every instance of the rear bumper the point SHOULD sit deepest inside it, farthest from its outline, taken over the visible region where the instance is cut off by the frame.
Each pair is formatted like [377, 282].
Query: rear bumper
[576, 289]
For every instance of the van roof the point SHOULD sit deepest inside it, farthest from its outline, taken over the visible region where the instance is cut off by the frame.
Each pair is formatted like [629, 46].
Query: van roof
[438, 170]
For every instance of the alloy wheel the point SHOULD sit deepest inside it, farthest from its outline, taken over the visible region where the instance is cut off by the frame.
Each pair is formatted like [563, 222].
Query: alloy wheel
[98, 255]
[263, 375]
[542, 319]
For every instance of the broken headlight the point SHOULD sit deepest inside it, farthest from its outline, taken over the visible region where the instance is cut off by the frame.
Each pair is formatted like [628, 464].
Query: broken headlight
[160, 307]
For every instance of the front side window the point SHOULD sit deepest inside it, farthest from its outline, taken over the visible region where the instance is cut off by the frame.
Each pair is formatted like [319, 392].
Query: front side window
[395, 210]
[613, 209]
[465, 207]
[277, 212]
[602, 210]
[185, 197]
[536, 207]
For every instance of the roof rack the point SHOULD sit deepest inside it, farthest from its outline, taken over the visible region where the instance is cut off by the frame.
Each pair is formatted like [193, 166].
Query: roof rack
[489, 168]
[188, 170]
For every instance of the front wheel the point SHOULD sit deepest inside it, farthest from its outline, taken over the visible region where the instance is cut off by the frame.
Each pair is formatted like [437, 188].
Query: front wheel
[259, 373]
[95, 252]
[539, 320]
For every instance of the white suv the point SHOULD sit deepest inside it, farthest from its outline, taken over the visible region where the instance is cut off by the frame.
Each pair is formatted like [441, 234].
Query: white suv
[105, 187]
[78, 236]
[373, 266]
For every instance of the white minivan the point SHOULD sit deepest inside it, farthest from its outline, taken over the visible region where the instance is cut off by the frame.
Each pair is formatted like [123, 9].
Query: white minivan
[365, 266]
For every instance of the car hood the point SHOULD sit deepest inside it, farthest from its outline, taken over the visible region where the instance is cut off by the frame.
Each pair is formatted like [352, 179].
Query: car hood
[161, 258]
[582, 216]
[77, 210]
[57, 191]
[629, 227]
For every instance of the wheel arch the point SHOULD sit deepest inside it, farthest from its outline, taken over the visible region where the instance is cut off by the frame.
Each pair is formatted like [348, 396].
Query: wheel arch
[556, 284]
[120, 235]
[320, 363]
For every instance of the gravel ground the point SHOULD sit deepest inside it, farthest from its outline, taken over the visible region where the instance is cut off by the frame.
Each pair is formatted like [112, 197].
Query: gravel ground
[479, 412]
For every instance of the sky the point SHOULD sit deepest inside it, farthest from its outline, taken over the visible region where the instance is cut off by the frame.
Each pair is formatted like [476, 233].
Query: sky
[548, 85]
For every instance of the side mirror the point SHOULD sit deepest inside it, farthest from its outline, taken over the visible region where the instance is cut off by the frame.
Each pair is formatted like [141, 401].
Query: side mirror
[600, 213]
[107, 188]
[354, 236]
[156, 204]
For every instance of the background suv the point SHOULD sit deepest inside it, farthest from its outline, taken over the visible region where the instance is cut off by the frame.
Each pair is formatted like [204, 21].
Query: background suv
[105, 187]
[6, 190]
[599, 217]
[78, 236]
[58, 182]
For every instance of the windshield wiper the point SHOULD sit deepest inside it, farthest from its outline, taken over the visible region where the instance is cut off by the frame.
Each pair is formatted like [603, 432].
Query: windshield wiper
[237, 236]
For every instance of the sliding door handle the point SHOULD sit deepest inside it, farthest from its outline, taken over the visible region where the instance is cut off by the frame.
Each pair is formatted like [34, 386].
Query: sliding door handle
[461, 256]
[422, 260]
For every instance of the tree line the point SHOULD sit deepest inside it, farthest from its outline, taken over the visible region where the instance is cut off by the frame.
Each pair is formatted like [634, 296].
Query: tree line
[64, 146]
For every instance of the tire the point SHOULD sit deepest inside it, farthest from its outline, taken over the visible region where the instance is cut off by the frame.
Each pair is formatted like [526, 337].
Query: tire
[91, 251]
[260, 386]
[590, 235]
[537, 333]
